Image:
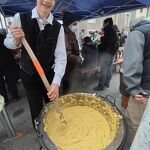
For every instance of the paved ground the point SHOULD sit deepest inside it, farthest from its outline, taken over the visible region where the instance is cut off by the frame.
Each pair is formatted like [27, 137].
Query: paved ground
[21, 119]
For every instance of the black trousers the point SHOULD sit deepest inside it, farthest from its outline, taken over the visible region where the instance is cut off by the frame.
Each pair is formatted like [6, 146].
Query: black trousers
[11, 79]
[36, 91]
[3, 91]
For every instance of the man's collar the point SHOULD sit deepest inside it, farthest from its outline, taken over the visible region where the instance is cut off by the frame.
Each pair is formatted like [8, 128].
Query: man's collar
[36, 15]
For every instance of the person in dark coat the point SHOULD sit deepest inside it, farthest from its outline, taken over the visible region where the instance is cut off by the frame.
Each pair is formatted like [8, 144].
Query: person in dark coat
[72, 47]
[8, 70]
[89, 53]
[109, 47]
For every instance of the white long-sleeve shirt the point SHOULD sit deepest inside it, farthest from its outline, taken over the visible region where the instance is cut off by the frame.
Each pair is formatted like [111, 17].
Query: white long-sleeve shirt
[60, 51]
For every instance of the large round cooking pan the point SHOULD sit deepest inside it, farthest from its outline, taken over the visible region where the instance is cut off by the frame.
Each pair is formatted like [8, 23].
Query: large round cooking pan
[84, 99]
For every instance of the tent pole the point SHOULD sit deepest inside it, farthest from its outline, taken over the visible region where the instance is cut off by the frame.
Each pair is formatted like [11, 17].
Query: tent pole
[1, 21]
[147, 13]
[83, 9]
[5, 23]
[118, 7]
[4, 18]
[61, 2]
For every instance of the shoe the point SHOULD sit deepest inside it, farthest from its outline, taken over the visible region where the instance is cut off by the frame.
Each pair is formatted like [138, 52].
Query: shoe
[98, 88]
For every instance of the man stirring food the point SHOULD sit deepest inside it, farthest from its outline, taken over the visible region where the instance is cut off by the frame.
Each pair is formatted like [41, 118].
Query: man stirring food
[45, 35]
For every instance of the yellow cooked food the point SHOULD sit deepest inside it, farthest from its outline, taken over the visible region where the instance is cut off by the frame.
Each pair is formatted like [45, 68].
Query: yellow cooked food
[87, 129]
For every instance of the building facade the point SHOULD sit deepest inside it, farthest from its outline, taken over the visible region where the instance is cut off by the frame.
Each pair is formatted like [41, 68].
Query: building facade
[122, 20]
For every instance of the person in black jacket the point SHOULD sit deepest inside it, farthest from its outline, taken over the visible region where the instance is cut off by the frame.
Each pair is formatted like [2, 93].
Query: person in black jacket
[89, 53]
[8, 70]
[107, 49]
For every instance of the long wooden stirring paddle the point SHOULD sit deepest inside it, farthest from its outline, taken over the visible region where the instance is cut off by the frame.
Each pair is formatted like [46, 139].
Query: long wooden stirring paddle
[42, 75]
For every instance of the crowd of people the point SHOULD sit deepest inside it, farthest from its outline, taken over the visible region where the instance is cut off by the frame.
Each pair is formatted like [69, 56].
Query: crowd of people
[57, 49]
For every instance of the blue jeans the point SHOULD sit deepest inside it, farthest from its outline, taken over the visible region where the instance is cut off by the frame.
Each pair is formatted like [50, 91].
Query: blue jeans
[106, 61]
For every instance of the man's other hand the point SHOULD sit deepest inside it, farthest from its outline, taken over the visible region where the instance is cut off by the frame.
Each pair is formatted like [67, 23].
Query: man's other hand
[141, 97]
[53, 92]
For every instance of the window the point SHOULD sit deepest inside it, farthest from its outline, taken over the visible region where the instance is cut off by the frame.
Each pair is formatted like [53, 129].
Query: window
[141, 10]
[127, 19]
[91, 21]
[117, 18]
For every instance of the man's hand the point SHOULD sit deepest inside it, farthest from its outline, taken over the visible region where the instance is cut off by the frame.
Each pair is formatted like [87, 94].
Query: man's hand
[18, 34]
[141, 97]
[53, 92]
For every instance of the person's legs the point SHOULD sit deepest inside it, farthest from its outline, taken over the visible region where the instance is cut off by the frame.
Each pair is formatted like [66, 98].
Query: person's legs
[11, 82]
[104, 61]
[34, 93]
[133, 114]
[3, 90]
[109, 69]
[103, 70]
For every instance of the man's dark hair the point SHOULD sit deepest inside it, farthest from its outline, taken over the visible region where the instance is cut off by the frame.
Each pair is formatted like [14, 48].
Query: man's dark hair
[68, 17]
[109, 20]
[87, 39]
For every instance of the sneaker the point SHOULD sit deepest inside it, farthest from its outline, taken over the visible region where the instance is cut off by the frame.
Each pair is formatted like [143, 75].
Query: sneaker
[98, 88]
